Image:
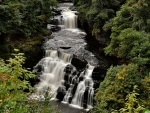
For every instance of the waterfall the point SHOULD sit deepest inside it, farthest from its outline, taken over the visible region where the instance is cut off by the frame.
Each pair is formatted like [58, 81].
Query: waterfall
[84, 86]
[69, 19]
[57, 73]
[52, 73]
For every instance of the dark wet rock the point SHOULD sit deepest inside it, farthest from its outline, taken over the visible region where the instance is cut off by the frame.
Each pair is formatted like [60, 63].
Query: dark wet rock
[70, 76]
[96, 84]
[81, 77]
[63, 1]
[74, 42]
[74, 89]
[68, 69]
[53, 28]
[61, 92]
[37, 68]
[79, 64]
[65, 47]
[73, 8]
[74, 72]
[56, 11]
[54, 21]
[67, 85]
[85, 97]
[98, 76]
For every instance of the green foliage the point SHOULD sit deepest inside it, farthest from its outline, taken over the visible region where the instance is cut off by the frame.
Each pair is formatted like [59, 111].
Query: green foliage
[146, 111]
[130, 37]
[97, 13]
[132, 104]
[15, 88]
[117, 84]
[42, 106]
[121, 21]
[145, 91]
[139, 10]
[131, 44]
[24, 17]
[83, 10]
[129, 30]
[13, 82]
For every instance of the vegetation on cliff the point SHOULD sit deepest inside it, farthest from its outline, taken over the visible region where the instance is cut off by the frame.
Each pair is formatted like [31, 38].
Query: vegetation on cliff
[15, 88]
[126, 26]
[98, 13]
[23, 26]
[24, 18]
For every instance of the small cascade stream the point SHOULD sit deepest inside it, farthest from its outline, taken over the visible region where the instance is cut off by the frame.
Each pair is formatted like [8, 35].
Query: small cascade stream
[59, 70]
[84, 89]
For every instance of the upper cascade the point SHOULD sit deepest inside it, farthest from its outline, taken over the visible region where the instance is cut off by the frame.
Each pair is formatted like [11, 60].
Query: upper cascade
[69, 19]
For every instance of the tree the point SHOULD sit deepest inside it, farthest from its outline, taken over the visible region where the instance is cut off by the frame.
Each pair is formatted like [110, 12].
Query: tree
[132, 104]
[97, 12]
[116, 86]
[13, 83]
[16, 88]
[131, 22]
[130, 43]
[24, 17]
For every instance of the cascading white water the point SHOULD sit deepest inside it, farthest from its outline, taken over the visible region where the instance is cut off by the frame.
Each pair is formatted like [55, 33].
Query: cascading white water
[52, 77]
[68, 94]
[77, 101]
[52, 71]
[69, 19]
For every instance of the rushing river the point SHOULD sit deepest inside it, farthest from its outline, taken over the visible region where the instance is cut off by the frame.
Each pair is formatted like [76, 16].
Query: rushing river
[67, 68]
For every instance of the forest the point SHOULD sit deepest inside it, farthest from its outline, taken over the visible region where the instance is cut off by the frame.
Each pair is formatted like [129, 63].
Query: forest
[124, 26]
[121, 26]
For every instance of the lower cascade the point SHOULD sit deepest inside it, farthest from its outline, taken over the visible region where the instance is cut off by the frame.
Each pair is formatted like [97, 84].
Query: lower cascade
[56, 72]
[84, 92]
[52, 70]
[63, 79]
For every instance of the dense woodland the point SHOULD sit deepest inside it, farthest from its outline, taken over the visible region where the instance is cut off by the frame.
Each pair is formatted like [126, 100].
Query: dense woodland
[22, 26]
[124, 26]
[121, 26]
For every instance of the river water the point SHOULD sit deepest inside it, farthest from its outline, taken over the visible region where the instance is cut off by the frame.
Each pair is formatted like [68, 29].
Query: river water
[69, 68]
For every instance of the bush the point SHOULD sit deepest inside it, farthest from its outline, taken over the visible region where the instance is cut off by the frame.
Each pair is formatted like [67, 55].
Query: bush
[15, 88]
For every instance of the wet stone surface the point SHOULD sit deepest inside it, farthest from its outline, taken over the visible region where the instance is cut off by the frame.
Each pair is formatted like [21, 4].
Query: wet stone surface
[72, 42]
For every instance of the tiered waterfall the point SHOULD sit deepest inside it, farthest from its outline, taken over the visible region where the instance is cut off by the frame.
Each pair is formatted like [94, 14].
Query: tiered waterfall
[66, 82]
